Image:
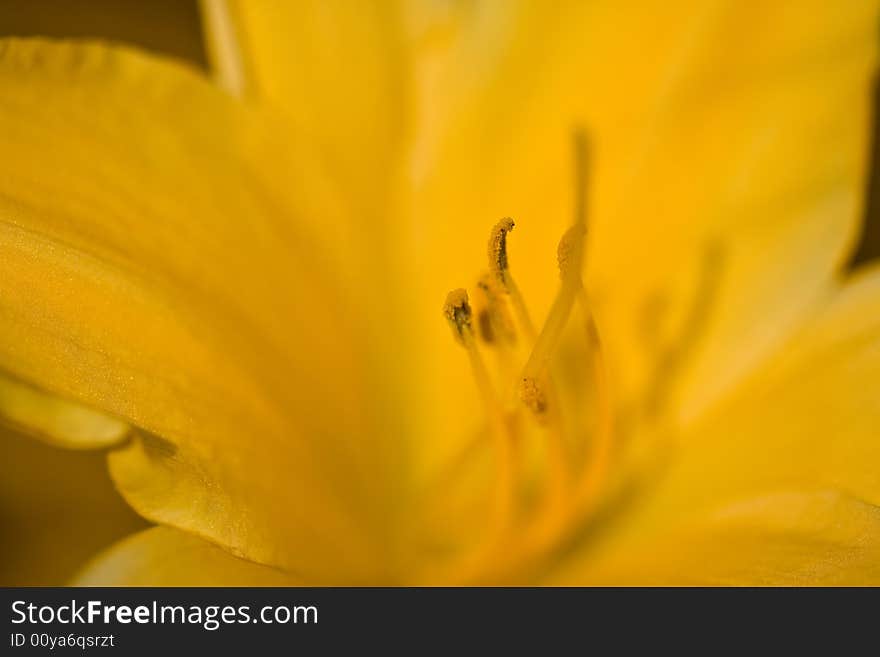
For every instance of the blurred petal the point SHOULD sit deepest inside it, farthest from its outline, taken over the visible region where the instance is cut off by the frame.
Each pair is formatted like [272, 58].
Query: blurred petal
[57, 421]
[782, 538]
[791, 461]
[337, 70]
[162, 556]
[730, 143]
[57, 509]
[154, 267]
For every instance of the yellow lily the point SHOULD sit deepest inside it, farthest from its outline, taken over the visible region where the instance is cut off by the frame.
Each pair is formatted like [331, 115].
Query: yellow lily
[236, 286]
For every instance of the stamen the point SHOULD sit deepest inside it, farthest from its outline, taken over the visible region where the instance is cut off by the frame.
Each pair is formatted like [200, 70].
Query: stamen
[496, 328]
[500, 267]
[498, 263]
[569, 253]
[533, 397]
[551, 332]
[543, 400]
[537, 370]
[457, 311]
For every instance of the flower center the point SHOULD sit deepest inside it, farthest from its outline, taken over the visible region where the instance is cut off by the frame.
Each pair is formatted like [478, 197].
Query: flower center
[570, 480]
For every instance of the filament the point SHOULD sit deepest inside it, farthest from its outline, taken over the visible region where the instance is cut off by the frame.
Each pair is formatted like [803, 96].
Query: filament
[458, 313]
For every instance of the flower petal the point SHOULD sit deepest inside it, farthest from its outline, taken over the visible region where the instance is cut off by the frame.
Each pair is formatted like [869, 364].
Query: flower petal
[337, 70]
[730, 146]
[57, 420]
[156, 265]
[162, 556]
[791, 461]
[781, 538]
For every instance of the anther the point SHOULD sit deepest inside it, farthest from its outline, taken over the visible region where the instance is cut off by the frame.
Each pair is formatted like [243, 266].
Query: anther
[533, 397]
[457, 311]
[551, 332]
[569, 253]
[498, 250]
[499, 268]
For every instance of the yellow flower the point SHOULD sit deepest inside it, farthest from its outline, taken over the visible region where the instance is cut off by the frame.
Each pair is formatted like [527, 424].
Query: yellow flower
[239, 291]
